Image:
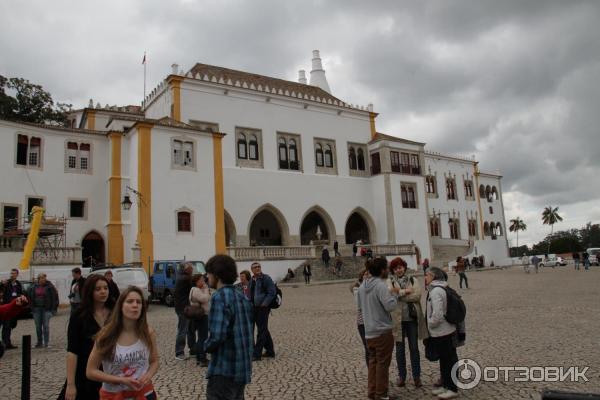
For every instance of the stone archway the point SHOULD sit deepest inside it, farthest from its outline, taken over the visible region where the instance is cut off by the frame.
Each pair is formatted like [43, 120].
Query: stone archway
[230, 232]
[359, 226]
[313, 218]
[92, 252]
[268, 227]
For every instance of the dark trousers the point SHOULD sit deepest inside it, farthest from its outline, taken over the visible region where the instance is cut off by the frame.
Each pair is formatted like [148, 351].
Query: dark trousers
[263, 336]
[6, 330]
[361, 332]
[183, 332]
[410, 331]
[444, 346]
[463, 277]
[307, 279]
[224, 388]
[200, 332]
[380, 357]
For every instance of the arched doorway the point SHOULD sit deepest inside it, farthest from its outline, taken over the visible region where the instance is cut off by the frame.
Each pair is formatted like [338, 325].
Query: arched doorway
[310, 223]
[230, 232]
[357, 228]
[268, 228]
[92, 252]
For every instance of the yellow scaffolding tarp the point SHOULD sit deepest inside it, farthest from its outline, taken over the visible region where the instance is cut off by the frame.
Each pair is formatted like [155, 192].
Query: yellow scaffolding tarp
[36, 222]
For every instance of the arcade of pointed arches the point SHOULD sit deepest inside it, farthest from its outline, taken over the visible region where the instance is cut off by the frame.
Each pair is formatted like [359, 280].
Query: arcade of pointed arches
[268, 227]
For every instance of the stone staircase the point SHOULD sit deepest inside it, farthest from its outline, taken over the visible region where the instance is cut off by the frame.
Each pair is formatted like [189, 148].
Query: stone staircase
[443, 254]
[350, 269]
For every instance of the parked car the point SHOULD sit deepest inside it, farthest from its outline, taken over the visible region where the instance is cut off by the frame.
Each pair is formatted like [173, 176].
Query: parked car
[164, 276]
[552, 261]
[127, 275]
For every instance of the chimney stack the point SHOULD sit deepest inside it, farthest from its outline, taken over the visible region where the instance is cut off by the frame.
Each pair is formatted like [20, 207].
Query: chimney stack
[317, 75]
[174, 69]
[302, 77]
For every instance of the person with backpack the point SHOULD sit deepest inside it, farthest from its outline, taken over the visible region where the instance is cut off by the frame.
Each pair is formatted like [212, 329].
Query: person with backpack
[442, 332]
[262, 294]
[408, 320]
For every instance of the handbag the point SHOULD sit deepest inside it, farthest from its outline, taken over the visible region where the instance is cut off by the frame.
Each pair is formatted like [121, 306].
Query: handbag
[412, 311]
[193, 311]
[430, 351]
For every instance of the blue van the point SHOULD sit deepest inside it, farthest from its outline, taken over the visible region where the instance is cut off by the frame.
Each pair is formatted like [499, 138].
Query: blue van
[164, 276]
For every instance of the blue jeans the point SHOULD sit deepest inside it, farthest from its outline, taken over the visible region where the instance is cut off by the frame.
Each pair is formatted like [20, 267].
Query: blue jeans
[183, 332]
[410, 331]
[41, 317]
[586, 264]
[200, 331]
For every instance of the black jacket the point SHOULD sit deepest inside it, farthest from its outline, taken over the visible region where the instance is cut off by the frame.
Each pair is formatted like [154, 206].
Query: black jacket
[50, 297]
[183, 285]
[8, 291]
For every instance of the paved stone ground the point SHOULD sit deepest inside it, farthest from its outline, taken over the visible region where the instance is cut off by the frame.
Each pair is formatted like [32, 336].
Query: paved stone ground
[547, 319]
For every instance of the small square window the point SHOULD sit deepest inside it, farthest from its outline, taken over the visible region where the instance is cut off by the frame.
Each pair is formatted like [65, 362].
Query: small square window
[184, 221]
[34, 201]
[77, 209]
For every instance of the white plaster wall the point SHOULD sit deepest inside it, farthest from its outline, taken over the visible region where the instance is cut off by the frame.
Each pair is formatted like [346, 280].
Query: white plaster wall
[249, 110]
[411, 224]
[377, 192]
[52, 182]
[275, 269]
[129, 167]
[160, 107]
[173, 189]
[9, 260]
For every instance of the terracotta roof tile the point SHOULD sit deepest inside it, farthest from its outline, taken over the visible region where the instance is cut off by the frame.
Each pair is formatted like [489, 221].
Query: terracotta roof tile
[220, 75]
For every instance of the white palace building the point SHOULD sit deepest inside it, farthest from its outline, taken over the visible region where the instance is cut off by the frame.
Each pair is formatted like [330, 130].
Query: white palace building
[223, 161]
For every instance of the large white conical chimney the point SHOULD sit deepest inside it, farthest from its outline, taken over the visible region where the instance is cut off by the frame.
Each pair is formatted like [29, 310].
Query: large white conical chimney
[302, 76]
[317, 75]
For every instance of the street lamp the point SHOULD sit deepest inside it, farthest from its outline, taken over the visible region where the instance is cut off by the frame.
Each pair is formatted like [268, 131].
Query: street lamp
[126, 203]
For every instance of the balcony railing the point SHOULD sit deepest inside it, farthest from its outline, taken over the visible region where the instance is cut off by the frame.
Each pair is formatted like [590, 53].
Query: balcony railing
[271, 252]
[56, 256]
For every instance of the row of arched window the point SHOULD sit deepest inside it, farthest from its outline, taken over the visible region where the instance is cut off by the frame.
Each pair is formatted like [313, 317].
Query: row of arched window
[356, 159]
[489, 192]
[247, 147]
[324, 155]
[492, 229]
[288, 154]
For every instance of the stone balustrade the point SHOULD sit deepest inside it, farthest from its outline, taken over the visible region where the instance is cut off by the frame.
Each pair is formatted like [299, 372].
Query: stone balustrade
[271, 252]
[57, 256]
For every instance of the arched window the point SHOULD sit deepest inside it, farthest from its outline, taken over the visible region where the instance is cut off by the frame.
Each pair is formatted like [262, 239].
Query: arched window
[328, 157]
[499, 229]
[319, 154]
[242, 146]
[434, 225]
[486, 229]
[352, 158]
[184, 221]
[494, 193]
[481, 191]
[283, 154]
[293, 150]
[488, 193]
[253, 148]
[360, 158]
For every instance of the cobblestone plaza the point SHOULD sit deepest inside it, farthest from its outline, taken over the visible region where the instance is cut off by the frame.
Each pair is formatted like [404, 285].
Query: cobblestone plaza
[513, 319]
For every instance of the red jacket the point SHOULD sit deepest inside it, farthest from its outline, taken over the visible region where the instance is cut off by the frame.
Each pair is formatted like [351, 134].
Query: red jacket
[10, 310]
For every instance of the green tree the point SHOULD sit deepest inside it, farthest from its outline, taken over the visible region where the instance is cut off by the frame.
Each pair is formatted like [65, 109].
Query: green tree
[590, 235]
[21, 100]
[550, 216]
[517, 225]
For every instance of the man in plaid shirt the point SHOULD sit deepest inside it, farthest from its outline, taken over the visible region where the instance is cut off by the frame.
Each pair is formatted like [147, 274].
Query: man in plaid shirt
[230, 338]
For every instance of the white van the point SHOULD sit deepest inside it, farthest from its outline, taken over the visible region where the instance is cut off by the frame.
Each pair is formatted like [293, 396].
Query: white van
[125, 276]
[594, 253]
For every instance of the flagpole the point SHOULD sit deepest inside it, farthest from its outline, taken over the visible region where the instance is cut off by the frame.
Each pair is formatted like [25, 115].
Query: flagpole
[144, 76]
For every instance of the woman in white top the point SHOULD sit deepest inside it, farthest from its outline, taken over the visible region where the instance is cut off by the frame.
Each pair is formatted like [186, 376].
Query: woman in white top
[126, 348]
[200, 297]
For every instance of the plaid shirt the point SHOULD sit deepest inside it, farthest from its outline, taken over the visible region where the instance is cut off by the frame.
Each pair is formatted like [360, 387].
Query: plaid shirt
[230, 338]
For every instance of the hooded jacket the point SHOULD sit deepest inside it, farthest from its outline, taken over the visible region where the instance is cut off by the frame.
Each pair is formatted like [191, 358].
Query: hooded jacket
[437, 304]
[375, 302]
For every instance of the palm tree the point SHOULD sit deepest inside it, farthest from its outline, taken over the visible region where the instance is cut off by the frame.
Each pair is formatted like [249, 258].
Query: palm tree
[517, 225]
[550, 216]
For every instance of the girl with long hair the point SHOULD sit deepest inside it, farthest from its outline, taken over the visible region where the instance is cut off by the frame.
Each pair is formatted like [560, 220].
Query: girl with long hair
[84, 323]
[126, 348]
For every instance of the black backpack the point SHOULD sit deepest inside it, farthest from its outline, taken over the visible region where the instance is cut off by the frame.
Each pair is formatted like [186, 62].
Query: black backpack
[278, 299]
[456, 309]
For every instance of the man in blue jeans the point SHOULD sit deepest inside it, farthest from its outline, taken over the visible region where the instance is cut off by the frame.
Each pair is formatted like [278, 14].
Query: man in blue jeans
[262, 293]
[183, 285]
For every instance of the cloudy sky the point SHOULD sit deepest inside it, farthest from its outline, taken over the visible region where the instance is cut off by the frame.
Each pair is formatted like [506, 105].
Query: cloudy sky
[515, 83]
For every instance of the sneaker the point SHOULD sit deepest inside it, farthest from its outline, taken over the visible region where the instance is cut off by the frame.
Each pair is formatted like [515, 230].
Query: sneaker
[180, 357]
[38, 346]
[418, 383]
[268, 355]
[448, 394]
[438, 391]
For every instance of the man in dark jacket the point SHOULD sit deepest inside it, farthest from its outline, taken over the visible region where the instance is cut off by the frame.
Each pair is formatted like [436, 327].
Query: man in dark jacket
[12, 290]
[76, 292]
[113, 289]
[262, 293]
[44, 302]
[183, 285]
